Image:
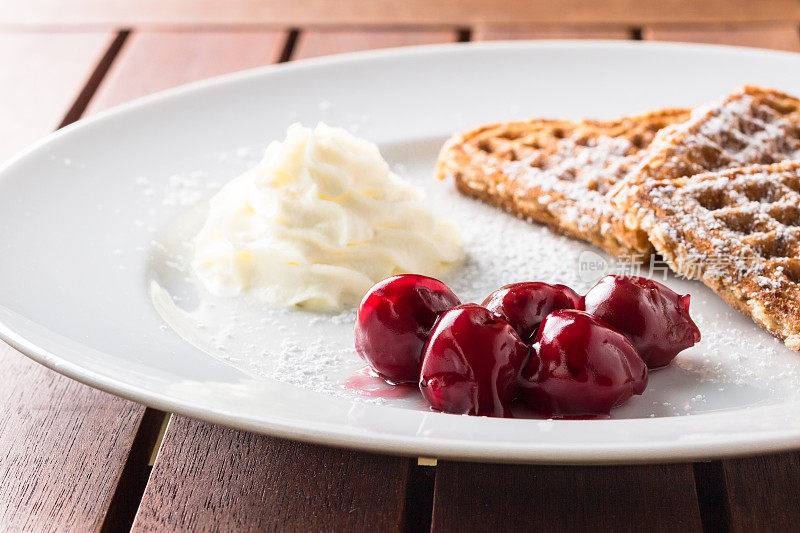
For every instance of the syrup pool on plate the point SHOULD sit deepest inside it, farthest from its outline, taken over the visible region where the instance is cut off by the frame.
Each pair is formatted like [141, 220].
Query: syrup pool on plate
[366, 382]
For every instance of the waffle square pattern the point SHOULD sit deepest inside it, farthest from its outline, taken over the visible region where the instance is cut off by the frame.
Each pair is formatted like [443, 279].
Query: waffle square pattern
[751, 126]
[739, 232]
[556, 172]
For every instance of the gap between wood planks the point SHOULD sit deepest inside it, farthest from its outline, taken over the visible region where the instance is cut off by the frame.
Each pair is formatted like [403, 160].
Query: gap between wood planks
[133, 480]
[152, 428]
[712, 495]
[82, 100]
[133, 477]
[709, 478]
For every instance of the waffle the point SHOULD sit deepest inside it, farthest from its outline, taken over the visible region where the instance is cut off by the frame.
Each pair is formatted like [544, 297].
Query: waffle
[751, 126]
[739, 232]
[556, 172]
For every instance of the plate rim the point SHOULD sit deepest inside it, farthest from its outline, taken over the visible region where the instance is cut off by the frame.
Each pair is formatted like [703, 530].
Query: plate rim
[651, 452]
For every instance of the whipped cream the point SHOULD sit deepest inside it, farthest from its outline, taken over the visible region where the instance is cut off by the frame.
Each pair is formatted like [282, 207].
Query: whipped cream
[316, 223]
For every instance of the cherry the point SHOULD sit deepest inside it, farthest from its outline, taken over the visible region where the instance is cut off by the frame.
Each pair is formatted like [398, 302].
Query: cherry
[580, 366]
[655, 318]
[394, 320]
[524, 305]
[472, 363]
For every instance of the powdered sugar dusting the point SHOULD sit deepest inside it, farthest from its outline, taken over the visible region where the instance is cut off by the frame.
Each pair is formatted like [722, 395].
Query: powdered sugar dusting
[315, 351]
[738, 230]
[581, 172]
[733, 132]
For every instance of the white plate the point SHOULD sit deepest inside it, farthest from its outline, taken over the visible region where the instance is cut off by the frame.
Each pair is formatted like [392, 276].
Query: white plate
[89, 216]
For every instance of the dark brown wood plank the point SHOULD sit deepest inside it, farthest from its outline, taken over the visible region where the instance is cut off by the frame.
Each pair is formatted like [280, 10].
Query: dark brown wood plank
[64, 441]
[59, 440]
[747, 506]
[763, 492]
[778, 37]
[153, 61]
[206, 476]
[324, 42]
[481, 497]
[31, 108]
[63, 447]
[392, 12]
[493, 33]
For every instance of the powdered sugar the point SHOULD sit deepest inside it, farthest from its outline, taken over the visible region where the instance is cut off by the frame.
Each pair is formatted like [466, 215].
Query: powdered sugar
[179, 189]
[315, 351]
[739, 231]
[739, 213]
[733, 132]
[580, 172]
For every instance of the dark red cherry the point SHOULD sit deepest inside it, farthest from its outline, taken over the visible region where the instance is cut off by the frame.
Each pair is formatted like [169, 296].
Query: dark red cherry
[655, 318]
[580, 366]
[524, 305]
[472, 363]
[394, 320]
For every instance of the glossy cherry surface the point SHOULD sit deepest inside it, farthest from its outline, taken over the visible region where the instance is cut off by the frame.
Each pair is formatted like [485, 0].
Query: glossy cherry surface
[472, 363]
[524, 305]
[654, 317]
[580, 366]
[394, 320]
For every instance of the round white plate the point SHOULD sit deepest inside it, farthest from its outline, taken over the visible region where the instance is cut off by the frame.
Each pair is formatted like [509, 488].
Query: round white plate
[95, 220]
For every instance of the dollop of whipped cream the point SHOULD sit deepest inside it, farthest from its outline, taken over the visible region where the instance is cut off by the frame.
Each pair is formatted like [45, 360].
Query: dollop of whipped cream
[316, 223]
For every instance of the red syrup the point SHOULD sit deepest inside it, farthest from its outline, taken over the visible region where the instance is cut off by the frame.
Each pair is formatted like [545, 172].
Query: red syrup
[366, 382]
[533, 350]
[394, 321]
[524, 305]
[472, 362]
[654, 318]
[580, 366]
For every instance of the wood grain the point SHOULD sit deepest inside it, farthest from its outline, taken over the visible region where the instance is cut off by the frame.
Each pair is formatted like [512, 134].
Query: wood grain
[324, 42]
[206, 476]
[40, 75]
[59, 440]
[763, 492]
[778, 37]
[480, 497]
[392, 12]
[153, 61]
[63, 447]
[493, 33]
[210, 478]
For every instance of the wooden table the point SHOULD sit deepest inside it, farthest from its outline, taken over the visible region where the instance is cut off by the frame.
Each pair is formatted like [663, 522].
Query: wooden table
[74, 458]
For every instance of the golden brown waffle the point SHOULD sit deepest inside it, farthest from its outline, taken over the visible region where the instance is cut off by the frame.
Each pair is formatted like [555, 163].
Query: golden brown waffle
[739, 232]
[751, 126]
[556, 172]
